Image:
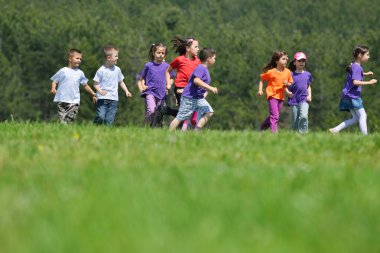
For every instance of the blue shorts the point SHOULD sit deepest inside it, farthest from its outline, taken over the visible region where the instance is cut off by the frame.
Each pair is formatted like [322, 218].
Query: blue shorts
[347, 104]
[190, 105]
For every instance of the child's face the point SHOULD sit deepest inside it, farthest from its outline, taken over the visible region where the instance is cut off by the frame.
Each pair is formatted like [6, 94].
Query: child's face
[75, 60]
[365, 57]
[211, 60]
[300, 64]
[159, 55]
[193, 49]
[282, 61]
[112, 59]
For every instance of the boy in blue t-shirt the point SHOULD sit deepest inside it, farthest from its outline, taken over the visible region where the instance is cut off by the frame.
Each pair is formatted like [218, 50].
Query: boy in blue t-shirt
[193, 96]
[68, 79]
[106, 82]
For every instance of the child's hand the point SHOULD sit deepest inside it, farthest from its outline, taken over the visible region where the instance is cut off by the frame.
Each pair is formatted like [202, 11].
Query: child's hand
[308, 98]
[369, 73]
[102, 92]
[94, 99]
[260, 92]
[144, 87]
[53, 90]
[128, 94]
[290, 94]
[373, 81]
[214, 90]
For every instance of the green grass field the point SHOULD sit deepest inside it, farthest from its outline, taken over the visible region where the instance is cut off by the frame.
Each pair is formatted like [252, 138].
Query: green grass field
[83, 188]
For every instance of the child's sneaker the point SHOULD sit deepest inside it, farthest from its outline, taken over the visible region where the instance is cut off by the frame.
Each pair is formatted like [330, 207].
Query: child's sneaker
[333, 131]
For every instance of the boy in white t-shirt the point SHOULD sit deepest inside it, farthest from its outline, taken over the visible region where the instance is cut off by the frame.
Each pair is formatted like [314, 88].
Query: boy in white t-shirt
[106, 82]
[68, 79]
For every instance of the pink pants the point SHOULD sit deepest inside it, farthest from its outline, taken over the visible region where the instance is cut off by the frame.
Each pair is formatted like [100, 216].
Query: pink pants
[275, 106]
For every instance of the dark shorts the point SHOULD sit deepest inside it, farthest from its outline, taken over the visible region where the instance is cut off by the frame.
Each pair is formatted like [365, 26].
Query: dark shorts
[347, 104]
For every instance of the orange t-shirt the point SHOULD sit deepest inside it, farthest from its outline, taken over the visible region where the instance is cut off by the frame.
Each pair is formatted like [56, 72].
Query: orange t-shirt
[276, 79]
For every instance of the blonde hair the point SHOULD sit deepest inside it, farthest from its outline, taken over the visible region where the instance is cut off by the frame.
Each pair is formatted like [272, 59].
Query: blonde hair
[107, 50]
[72, 51]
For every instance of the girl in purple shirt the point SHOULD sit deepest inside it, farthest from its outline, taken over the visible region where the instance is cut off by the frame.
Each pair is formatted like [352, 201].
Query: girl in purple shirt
[351, 94]
[152, 82]
[300, 93]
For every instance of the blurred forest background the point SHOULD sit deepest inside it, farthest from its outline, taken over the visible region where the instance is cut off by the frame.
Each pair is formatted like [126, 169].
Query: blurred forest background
[35, 36]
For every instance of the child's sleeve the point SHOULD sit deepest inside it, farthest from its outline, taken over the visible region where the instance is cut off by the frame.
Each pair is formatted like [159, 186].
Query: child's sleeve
[57, 77]
[290, 77]
[265, 76]
[83, 80]
[357, 72]
[175, 63]
[120, 76]
[310, 79]
[98, 76]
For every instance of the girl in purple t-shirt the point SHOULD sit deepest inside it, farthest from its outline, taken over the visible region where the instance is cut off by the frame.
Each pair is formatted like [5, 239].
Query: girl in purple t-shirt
[300, 93]
[152, 82]
[351, 94]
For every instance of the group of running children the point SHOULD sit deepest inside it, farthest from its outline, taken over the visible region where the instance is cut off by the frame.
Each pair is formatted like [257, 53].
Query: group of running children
[192, 84]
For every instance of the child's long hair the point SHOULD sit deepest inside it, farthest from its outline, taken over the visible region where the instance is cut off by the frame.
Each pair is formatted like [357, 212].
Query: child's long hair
[358, 50]
[153, 49]
[180, 44]
[272, 64]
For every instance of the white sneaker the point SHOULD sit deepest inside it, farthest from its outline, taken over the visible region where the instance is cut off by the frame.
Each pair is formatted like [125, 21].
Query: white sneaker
[333, 131]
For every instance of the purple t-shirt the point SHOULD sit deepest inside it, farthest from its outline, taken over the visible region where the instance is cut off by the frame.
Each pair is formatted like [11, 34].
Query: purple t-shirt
[299, 87]
[192, 90]
[350, 90]
[155, 79]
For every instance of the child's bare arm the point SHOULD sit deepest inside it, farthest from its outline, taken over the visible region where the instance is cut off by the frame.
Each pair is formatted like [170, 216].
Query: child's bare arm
[125, 89]
[362, 83]
[290, 94]
[97, 88]
[168, 79]
[53, 87]
[89, 90]
[202, 84]
[260, 91]
[369, 73]
[308, 98]
[141, 85]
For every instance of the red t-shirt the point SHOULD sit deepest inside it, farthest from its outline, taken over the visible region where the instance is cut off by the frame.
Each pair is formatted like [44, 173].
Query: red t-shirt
[184, 67]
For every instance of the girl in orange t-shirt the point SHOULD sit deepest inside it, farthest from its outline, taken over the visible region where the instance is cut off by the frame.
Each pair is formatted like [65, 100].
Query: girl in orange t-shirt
[185, 63]
[278, 78]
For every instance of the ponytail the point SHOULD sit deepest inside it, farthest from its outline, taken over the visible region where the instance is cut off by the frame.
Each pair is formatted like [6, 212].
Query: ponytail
[180, 44]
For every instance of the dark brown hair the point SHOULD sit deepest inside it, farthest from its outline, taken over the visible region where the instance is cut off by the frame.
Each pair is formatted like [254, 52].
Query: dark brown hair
[275, 57]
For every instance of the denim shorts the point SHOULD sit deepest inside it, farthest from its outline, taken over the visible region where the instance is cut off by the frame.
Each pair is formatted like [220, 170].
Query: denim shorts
[347, 104]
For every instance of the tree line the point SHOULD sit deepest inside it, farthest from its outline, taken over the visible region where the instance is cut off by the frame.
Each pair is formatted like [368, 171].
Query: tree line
[35, 36]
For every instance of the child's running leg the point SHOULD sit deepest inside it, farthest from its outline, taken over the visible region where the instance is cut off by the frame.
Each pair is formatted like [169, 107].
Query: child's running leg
[150, 109]
[275, 106]
[100, 111]
[294, 117]
[346, 123]
[173, 126]
[362, 115]
[303, 122]
[111, 112]
[205, 118]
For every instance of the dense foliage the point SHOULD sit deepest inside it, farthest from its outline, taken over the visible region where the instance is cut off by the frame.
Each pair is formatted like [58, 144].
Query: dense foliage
[35, 35]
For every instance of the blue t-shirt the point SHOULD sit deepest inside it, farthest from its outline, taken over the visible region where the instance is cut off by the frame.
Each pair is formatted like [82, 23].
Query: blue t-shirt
[350, 90]
[192, 90]
[301, 82]
[108, 80]
[155, 79]
[68, 81]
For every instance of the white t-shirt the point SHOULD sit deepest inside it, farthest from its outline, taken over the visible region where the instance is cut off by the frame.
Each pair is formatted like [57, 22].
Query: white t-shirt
[68, 81]
[108, 79]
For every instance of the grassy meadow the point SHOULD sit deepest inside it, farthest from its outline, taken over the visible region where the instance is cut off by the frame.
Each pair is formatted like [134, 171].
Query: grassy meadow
[82, 188]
